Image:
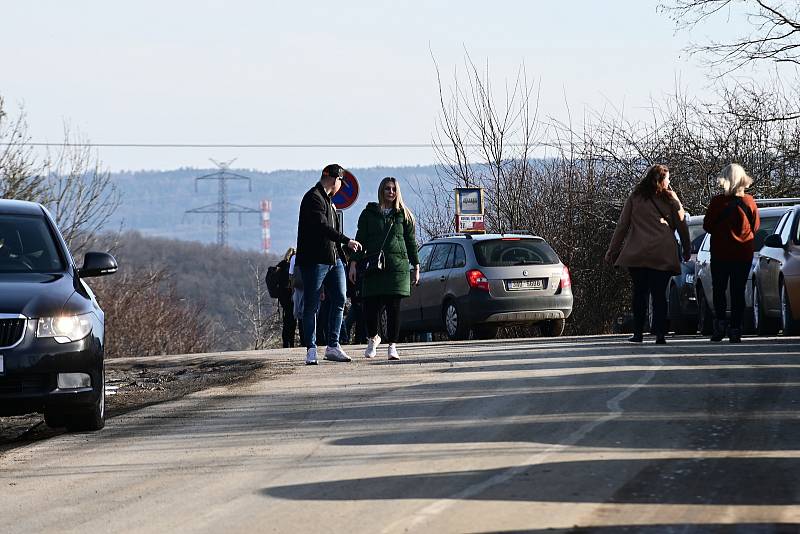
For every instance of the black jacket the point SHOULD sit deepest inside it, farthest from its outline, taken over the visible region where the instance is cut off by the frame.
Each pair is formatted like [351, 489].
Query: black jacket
[319, 238]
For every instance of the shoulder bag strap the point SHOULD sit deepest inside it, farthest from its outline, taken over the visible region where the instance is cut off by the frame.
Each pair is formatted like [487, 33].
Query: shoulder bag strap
[387, 234]
[662, 214]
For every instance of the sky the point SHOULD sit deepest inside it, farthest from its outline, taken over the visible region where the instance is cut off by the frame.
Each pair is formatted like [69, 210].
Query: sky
[304, 73]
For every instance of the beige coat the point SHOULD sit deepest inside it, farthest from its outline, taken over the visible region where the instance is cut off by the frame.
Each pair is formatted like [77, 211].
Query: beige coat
[643, 238]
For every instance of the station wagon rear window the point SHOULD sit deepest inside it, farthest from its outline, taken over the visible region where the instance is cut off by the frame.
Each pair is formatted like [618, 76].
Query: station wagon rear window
[514, 251]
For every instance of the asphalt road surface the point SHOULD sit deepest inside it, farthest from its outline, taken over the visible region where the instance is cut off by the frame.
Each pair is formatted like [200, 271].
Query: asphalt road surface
[585, 434]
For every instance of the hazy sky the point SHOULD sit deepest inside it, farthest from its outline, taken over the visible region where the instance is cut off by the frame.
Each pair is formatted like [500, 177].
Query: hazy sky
[347, 72]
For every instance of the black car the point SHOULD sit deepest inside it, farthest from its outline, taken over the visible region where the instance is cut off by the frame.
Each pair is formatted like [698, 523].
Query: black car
[51, 327]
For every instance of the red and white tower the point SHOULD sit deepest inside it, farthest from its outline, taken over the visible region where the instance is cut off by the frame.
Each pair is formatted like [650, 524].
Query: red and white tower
[266, 238]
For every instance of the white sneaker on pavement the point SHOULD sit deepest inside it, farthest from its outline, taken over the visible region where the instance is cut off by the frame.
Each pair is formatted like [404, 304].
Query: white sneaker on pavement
[393, 352]
[311, 356]
[336, 354]
[372, 346]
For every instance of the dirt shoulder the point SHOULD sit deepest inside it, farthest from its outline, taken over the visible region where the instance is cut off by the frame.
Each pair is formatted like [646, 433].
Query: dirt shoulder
[133, 383]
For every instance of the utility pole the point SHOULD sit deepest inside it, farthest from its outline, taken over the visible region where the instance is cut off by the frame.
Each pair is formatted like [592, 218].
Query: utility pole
[222, 207]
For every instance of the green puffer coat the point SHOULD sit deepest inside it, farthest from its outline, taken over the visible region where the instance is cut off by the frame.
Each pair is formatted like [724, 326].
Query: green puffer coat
[400, 251]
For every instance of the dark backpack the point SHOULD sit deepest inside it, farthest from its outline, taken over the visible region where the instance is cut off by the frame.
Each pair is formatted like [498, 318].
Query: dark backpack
[273, 281]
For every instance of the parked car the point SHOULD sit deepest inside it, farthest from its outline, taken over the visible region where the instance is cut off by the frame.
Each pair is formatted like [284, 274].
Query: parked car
[51, 327]
[480, 282]
[770, 213]
[681, 299]
[776, 288]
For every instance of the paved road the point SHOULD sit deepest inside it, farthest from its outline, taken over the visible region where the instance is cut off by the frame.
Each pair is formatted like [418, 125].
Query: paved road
[508, 436]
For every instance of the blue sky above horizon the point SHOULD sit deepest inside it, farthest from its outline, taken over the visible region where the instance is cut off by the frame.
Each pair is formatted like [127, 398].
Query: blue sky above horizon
[351, 72]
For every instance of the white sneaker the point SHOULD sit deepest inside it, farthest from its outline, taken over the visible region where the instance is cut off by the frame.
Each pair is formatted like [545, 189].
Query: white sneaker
[393, 352]
[336, 354]
[311, 356]
[372, 346]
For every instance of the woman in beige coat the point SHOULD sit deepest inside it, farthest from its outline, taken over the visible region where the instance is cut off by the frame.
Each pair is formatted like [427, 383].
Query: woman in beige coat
[644, 242]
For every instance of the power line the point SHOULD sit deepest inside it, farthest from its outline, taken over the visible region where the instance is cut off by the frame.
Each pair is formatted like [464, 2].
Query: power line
[226, 145]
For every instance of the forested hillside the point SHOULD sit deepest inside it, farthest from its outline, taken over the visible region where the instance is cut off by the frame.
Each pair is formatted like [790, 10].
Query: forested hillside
[154, 202]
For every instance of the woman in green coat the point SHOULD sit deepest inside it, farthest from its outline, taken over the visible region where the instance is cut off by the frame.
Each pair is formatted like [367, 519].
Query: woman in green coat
[389, 224]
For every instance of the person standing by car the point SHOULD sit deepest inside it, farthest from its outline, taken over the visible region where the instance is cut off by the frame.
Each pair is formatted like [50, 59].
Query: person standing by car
[320, 258]
[644, 242]
[732, 220]
[387, 226]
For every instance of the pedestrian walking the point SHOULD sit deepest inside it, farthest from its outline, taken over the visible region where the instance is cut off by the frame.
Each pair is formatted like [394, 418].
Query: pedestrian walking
[732, 220]
[385, 227]
[285, 299]
[644, 242]
[297, 297]
[320, 258]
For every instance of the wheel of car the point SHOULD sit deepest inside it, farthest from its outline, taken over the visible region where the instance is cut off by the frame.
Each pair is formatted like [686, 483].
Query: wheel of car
[486, 332]
[789, 325]
[455, 327]
[764, 326]
[705, 317]
[553, 327]
[92, 418]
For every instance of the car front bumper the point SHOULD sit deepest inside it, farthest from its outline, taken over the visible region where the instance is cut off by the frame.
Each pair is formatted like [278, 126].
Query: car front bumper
[29, 382]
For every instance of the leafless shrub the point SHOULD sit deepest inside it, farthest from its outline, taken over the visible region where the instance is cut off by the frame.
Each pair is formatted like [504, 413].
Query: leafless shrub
[261, 320]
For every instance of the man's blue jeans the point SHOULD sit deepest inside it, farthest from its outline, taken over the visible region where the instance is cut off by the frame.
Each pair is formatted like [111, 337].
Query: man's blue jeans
[333, 279]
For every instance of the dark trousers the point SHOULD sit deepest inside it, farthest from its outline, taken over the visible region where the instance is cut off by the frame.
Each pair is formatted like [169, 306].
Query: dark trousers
[653, 283]
[736, 273]
[355, 316]
[372, 310]
[289, 322]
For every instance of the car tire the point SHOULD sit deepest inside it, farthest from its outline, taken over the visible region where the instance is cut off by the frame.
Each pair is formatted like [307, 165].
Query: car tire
[553, 327]
[92, 418]
[789, 325]
[486, 332]
[764, 326]
[705, 317]
[454, 325]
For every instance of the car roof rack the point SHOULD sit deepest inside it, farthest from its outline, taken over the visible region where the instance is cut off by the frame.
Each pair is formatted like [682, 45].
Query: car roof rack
[767, 202]
[453, 234]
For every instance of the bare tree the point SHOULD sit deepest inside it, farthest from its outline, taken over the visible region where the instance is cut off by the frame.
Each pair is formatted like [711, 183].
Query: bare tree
[771, 35]
[20, 173]
[260, 319]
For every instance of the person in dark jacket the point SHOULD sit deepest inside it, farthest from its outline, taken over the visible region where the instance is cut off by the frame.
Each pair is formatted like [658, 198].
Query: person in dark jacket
[321, 260]
[386, 225]
[285, 299]
[732, 220]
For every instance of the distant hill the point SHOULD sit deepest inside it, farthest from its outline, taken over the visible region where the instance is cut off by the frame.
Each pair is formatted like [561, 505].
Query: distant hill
[154, 202]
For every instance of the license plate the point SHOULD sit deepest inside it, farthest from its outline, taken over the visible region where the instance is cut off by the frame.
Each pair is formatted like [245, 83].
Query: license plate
[521, 285]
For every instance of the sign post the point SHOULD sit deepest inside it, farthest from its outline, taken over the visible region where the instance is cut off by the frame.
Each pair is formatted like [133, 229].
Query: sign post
[469, 210]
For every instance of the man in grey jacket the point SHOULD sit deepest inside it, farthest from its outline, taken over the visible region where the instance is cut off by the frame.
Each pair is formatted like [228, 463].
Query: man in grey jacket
[321, 261]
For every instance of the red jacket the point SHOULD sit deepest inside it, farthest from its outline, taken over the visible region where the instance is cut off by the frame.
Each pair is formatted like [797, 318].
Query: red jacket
[732, 235]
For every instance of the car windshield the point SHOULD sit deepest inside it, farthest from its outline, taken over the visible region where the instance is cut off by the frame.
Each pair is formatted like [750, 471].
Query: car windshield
[514, 251]
[767, 228]
[696, 235]
[27, 246]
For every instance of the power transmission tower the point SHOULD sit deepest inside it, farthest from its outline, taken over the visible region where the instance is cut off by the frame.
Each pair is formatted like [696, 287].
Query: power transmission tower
[222, 207]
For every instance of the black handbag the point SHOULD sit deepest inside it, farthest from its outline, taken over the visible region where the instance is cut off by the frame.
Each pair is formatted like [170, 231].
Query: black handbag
[375, 261]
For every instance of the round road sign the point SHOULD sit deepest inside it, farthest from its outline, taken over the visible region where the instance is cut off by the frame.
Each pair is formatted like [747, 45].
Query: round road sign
[348, 193]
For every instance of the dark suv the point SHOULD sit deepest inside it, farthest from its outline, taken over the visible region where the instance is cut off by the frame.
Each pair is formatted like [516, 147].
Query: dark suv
[51, 327]
[476, 283]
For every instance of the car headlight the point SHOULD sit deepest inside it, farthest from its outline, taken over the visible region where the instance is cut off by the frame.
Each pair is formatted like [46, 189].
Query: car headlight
[65, 328]
[689, 278]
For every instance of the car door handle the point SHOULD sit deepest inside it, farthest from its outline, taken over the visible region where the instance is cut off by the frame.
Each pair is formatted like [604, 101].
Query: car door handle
[442, 278]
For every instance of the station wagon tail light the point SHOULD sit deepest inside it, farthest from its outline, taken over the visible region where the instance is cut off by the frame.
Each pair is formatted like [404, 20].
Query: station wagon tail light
[477, 279]
[566, 281]
[65, 328]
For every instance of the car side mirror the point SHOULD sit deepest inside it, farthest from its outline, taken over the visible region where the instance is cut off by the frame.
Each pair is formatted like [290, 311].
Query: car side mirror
[773, 241]
[97, 264]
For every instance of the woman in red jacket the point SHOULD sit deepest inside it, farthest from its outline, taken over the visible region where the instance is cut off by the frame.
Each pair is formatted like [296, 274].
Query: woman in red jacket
[732, 220]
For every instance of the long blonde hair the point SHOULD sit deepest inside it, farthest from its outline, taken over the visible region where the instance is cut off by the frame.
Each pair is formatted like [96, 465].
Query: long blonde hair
[289, 253]
[734, 180]
[398, 199]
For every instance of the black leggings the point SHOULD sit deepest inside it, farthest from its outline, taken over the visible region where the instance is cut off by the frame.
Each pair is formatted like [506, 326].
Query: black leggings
[372, 310]
[650, 282]
[735, 272]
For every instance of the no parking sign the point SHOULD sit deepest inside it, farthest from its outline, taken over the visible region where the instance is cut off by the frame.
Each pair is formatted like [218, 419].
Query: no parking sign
[348, 193]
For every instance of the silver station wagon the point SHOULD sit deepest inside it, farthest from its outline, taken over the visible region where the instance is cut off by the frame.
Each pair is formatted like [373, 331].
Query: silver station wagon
[476, 283]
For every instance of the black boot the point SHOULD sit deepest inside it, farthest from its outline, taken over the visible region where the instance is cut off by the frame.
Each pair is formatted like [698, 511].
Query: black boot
[660, 340]
[735, 335]
[719, 330]
[635, 338]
